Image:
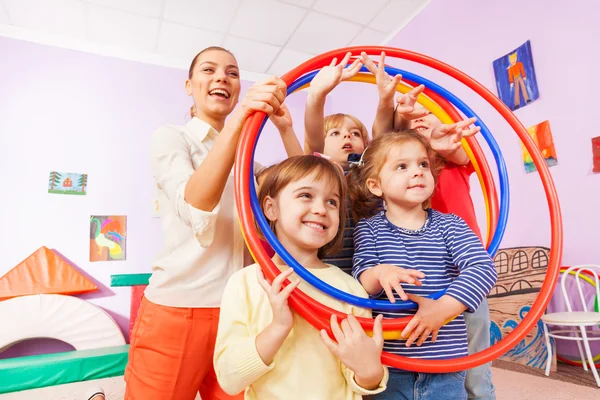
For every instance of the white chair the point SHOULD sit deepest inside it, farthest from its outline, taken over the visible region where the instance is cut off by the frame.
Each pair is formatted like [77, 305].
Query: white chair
[576, 322]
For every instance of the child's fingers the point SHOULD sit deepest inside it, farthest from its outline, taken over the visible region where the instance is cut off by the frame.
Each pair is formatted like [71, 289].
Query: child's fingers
[469, 121]
[396, 81]
[388, 292]
[399, 290]
[455, 146]
[346, 328]
[285, 293]
[382, 60]
[378, 331]
[415, 114]
[260, 277]
[415, 92]
[335, 329]
[412, 324]
[412, 277]
[279, 279]
[354, 325]
[471, 132]
[415, 335]
[331, 345]
[333, 62]
[404, 109]
[353, 69]
[423, 337]
[434, 335]
[367, 62]
[346, 59]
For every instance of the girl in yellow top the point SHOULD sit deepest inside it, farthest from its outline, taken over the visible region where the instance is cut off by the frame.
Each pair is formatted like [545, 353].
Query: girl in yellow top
[265, 348]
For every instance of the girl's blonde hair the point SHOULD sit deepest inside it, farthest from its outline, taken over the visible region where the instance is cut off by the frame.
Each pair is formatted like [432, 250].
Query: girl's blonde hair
[336, 120]
[298, 167]
[364, 203]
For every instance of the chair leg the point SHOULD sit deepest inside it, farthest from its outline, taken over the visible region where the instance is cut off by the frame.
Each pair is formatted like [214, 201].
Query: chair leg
[588, 351]
[583, 359]
[549, 347]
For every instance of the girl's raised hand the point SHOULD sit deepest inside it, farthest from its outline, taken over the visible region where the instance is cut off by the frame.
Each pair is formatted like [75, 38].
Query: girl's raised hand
[330, 76]
[278, 298]
[447, 138]
[405, 109]
[386, 84]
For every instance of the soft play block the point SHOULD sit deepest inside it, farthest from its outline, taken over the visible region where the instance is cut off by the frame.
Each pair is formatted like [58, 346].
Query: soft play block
[70, 319]
[24, 373]
[43, 272]
[129, 279]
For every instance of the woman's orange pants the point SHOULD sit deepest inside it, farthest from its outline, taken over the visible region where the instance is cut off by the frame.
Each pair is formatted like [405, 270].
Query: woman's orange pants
[171, 354]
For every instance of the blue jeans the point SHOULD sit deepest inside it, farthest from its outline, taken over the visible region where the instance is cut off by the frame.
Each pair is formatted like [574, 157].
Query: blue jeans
[407, 385]
[479, 380]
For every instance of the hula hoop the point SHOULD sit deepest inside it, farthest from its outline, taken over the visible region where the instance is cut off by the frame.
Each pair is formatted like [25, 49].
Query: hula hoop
[243, 169]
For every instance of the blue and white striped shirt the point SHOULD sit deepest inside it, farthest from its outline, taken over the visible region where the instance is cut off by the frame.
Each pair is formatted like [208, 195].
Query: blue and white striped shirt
[450, 255]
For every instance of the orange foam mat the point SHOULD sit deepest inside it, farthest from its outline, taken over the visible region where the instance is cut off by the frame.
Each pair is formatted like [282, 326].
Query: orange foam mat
[43, 272]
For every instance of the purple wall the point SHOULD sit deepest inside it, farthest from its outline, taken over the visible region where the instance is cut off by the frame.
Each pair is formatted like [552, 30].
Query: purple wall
[71, 111]
[470, 35]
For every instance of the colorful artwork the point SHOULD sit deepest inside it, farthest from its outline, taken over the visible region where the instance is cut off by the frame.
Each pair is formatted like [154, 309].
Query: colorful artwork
[515, 77]
[521, 273]
[67, 183]
[108, 236]
[596, 153]
[542, 136]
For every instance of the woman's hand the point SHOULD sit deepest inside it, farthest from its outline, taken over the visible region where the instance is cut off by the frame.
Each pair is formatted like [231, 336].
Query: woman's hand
[266, 96]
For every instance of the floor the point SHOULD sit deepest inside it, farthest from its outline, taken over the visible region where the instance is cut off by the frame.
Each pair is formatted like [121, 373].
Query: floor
[513, 382]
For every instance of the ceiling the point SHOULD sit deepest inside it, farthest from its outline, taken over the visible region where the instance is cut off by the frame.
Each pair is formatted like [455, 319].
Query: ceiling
[267, 36]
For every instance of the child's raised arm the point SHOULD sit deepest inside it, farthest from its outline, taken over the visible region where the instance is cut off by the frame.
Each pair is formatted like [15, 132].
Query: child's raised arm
[323, 83]
[386, 87]
[283, 123]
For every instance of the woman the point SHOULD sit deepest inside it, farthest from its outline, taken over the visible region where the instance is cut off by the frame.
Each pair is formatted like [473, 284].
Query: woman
[172, 343]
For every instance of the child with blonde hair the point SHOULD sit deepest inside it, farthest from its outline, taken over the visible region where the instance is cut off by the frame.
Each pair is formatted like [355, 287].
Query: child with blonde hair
[263, 347]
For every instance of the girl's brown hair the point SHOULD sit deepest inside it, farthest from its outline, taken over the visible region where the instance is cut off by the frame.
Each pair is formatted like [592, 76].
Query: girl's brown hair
[364, 203]
[298, 167]
[336, 120]
[193, 65]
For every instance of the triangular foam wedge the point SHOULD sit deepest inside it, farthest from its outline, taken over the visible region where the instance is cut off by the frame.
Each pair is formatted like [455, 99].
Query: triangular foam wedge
[43, 272]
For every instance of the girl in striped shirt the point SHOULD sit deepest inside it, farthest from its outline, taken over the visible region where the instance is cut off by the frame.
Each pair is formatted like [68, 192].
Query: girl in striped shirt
[400, 169]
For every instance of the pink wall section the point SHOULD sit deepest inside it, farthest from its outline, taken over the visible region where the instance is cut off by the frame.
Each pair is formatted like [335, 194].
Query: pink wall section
[70, 111]
[470, 35]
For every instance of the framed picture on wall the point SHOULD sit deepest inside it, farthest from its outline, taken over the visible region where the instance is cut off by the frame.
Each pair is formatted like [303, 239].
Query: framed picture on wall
[542, 136]
[515, 77]
[108, 237]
